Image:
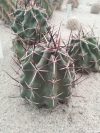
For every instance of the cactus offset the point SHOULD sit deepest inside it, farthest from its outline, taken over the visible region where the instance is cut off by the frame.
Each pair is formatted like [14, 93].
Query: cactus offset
[85, 52]
[48, 75]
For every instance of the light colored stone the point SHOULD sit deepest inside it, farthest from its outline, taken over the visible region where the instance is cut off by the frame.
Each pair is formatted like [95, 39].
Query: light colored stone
[95, 8]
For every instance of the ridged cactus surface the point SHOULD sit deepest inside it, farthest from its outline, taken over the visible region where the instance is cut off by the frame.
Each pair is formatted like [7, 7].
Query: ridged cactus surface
[48, 76]
[86, 53]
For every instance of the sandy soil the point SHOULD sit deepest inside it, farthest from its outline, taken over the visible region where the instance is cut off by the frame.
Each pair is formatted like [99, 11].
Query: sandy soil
[83, 113]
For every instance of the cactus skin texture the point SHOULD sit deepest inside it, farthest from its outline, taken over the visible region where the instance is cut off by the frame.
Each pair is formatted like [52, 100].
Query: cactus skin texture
[48, 76]
[85, 52]
[6, 7]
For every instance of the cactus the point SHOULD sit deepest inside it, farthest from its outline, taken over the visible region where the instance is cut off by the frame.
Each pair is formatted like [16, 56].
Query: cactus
[6, 7]
[95, 9]
[73, 24]
[84, 50]
[30, 27]
[48, 75]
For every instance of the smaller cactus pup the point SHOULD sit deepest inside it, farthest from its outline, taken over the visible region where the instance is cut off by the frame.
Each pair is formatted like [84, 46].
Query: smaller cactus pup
[30, 26]
[85, 51]
[48, 74]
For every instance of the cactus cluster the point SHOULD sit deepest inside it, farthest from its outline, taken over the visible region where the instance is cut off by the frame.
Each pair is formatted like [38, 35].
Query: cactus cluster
[48, 71]
[48, 65]
[48, 75]
[85, 51]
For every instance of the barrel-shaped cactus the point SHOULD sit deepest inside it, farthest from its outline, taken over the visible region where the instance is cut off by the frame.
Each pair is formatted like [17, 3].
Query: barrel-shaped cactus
[48, 76]
[30, 27]
[30, 24]
[85, 52]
